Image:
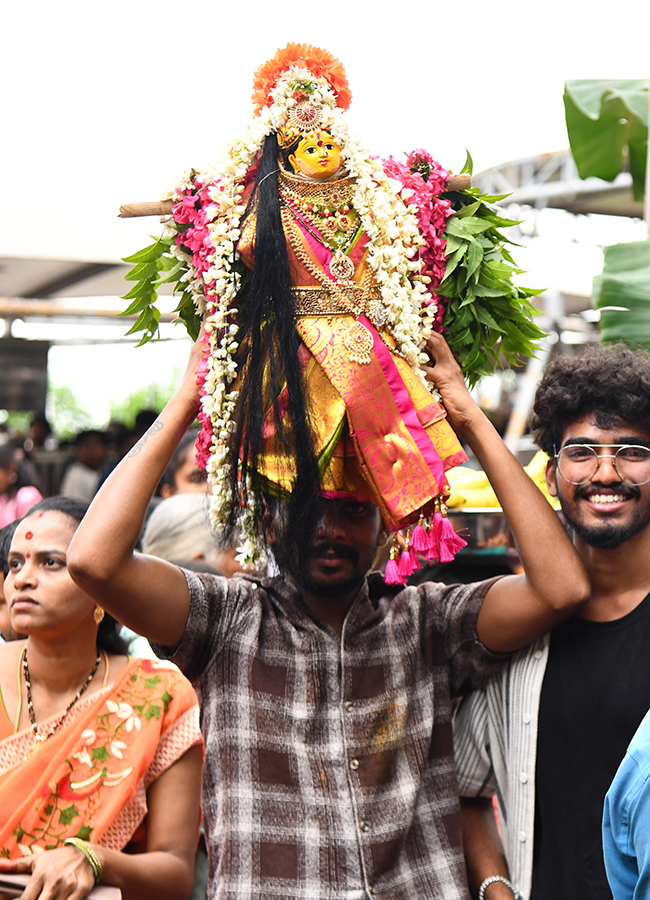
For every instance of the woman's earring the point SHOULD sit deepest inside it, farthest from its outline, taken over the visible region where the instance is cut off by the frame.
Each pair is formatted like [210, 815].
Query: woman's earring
[98, 615]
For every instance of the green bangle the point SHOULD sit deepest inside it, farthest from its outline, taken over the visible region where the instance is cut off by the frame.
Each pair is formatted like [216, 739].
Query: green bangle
[92, 858]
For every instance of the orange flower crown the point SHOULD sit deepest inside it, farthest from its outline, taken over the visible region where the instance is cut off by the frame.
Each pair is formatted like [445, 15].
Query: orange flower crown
[319, 62]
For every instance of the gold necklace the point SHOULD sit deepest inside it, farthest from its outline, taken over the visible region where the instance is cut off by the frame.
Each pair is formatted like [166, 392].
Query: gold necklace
[327, 204]
[358, 340]
[337, 226]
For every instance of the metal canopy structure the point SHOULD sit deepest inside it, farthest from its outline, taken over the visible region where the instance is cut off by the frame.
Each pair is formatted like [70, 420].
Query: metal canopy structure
[551, 179]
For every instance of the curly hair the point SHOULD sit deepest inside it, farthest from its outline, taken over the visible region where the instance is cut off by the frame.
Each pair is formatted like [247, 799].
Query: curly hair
[611, 381]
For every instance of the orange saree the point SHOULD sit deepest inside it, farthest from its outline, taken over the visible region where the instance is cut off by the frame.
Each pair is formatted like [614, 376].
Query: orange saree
[89, 779]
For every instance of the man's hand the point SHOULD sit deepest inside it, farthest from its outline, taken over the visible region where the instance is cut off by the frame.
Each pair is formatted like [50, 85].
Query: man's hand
[189, 386]
[447, 376]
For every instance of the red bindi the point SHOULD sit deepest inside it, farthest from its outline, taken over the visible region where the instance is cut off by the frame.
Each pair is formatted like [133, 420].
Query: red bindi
[27, 555]
[40, 515]
[29, 535]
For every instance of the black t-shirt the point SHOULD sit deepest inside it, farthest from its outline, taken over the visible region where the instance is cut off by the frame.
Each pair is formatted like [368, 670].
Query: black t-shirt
[596, 690]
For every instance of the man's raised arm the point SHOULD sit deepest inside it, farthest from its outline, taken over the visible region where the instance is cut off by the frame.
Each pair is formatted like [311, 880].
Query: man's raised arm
[519, 608]
[147, 594]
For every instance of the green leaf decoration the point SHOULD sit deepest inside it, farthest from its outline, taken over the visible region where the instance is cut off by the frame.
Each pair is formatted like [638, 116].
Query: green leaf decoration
[468, 167]
[152, 712]
[152, 682]
[166, 699]
[84, 832]
[100, 753]
[153, 266]
[607, 122]
[488, 317]
[622, 293]
[68, 814]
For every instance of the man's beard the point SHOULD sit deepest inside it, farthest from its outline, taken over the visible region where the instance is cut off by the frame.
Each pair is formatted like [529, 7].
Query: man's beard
[607, 535]
[320, 586]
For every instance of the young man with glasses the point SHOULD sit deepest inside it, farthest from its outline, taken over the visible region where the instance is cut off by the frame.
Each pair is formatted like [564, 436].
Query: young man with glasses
[548, 734]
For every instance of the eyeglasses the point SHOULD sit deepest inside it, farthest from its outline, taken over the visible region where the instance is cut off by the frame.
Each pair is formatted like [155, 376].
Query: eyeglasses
[578, 463]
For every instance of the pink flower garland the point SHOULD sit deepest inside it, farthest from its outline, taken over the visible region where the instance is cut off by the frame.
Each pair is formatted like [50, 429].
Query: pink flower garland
[192, 210]
[424, 180]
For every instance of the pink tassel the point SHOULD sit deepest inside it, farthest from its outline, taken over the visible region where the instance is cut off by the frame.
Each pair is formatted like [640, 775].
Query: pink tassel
[392, 576]
[432, 554]
[449, 542]
[420, 539]
[405, 567]
[414, 560]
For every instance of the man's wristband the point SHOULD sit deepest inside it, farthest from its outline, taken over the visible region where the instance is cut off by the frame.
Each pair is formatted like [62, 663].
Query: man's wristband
[488, 881]
[92, 858]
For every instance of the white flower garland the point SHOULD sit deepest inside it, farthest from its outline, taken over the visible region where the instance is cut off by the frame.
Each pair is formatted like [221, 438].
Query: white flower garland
[394, 242]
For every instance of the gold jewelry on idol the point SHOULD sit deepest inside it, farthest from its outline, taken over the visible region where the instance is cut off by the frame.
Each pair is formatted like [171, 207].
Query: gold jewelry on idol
[98, 614]
[327, 206]
[303, 119]
[358, 340]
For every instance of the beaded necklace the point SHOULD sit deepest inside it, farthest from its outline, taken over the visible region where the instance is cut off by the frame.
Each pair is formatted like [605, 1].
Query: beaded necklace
[38, 737]
[327, 206]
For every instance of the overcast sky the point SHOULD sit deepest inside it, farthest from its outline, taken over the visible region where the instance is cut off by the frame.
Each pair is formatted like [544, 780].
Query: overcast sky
[105, 103]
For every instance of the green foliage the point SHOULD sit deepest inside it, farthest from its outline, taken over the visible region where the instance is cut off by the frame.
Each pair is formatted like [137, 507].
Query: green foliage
[153, 266]
[607, 121]
[18, 421]
[625, 285]
[488, 317]
[150, 396]
[66, 415]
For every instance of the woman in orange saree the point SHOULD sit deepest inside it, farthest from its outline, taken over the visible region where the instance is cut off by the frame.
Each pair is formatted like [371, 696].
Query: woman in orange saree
[98, 752]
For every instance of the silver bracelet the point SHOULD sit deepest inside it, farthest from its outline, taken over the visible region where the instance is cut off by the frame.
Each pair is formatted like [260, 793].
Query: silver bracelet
[488, 881]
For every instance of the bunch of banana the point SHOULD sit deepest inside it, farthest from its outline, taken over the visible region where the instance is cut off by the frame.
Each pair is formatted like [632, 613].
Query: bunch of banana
[470, 488]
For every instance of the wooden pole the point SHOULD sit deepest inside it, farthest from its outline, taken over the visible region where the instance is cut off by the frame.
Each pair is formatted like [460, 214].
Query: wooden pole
[19, 308]
[164, 207]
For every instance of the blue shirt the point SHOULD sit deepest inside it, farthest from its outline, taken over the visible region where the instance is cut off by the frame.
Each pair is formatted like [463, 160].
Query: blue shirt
[626, 821]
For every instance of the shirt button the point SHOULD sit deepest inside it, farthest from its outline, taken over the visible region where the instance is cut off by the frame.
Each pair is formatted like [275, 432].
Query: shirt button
[348, 706]
[538, 654]
[527, 718]
[522, 836]
[523, 778]
[354, 764]
[364, 826]
[254, 586]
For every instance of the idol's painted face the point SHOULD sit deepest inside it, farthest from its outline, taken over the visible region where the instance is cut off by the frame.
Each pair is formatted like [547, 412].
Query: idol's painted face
[317, 156]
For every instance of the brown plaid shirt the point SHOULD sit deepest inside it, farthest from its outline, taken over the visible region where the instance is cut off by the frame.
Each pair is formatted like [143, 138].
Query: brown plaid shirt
[329, 769]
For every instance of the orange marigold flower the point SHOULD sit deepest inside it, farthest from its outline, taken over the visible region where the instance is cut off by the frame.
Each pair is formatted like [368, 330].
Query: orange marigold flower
[319, 62]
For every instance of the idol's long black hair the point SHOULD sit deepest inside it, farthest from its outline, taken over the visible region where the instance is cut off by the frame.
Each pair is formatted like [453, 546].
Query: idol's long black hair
[269, 364]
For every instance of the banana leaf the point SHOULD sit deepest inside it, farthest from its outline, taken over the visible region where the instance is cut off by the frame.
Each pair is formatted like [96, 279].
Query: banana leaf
[607, 122]
[622, 293]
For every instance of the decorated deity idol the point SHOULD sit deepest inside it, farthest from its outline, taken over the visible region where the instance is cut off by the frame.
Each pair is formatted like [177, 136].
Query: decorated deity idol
[319, 272]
